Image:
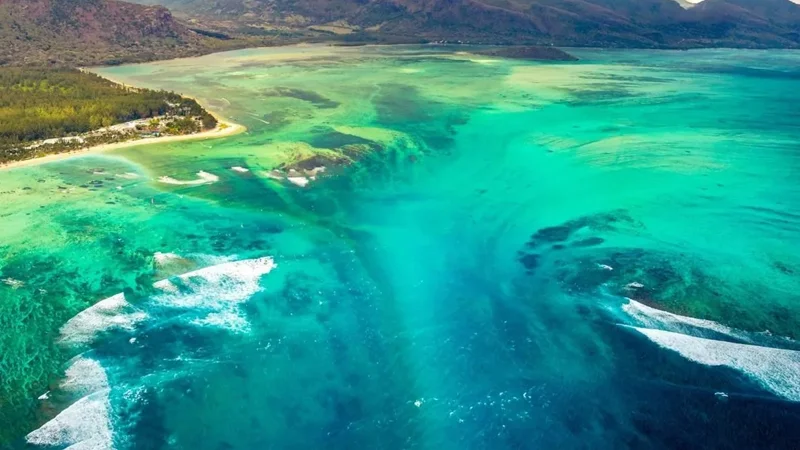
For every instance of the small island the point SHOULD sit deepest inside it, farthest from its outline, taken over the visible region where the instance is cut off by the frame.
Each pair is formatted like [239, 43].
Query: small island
[47, 112]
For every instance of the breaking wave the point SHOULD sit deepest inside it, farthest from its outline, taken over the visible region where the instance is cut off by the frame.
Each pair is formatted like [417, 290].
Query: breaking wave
[714, 344]
[113, 313]
[85, 424]
[208, 297]
[214, 286]
[215, 291]
[655, 318]
[84, 376]
[776, 369]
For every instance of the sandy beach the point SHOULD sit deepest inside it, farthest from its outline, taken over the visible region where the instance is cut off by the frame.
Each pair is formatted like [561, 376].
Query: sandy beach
[224, 128]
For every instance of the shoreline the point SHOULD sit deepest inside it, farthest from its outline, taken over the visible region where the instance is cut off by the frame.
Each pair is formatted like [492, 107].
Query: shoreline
[224, 128]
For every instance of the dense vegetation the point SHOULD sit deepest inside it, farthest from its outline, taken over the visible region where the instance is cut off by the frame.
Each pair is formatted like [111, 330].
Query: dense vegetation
[40, 104]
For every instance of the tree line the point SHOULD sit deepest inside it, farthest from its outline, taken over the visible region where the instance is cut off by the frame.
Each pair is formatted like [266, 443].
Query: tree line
[37, 104]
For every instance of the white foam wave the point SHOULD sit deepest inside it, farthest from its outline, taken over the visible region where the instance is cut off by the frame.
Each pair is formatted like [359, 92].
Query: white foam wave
[202, 178]
[84, 425]
[240, 169]
[112, 313]
[84, 376]
[776, 369]
[212, 286]
[655, 318]
[220, 287]
[227, 319]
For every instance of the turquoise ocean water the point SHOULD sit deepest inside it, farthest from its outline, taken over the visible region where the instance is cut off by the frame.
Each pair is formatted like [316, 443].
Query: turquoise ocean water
[498, 254]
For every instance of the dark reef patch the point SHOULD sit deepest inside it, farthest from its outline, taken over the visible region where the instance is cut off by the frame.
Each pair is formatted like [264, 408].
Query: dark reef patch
[331, 139]
[312, 97]
[405, 108]
[674, 282]
[276, 119]
[530, 261]
[401, 104]
[589, 242]
[596, 222]
[582, 263]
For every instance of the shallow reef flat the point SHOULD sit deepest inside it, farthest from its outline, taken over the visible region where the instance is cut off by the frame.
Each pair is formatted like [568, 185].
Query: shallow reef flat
[416, 247]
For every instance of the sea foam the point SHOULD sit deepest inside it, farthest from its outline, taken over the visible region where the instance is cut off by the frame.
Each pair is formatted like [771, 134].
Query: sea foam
[230, 282]
[84, 425]
[84, 376]
[648, 317]
[778, 370]
[219, 288]
[112, 313]
[227, 319]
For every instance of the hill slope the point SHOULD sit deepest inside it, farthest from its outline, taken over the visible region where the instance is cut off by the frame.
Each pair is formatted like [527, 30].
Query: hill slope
[622, 23]
[83, 32]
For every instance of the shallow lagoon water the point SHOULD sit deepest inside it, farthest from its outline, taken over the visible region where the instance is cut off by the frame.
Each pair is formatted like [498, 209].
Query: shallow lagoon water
[599, 254]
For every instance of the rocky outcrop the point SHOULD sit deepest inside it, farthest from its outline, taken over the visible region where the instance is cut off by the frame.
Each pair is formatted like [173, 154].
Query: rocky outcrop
[85, 32]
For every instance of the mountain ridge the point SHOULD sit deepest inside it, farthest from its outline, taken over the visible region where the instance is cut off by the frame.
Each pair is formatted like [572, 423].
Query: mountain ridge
[94, 32]
[613, 23]
[70, 33]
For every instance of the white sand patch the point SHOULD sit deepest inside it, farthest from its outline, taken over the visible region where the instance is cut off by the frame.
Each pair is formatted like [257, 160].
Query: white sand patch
[778, 370]
[127, 176]
[274, 175]
[240, 169]
[315, 171]
[202, 178]
[299, 181]
[84, 425]
[483, 61]
[113, 313]
[14, 284]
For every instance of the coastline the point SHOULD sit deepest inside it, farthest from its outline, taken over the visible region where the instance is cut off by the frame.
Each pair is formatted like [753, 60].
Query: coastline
[224, 128]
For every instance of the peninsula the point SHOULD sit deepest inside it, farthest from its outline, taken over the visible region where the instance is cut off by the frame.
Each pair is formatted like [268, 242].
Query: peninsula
[51, 114]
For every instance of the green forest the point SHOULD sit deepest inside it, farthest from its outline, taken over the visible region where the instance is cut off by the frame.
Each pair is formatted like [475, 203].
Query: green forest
[37, 104]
